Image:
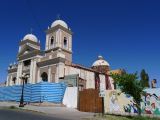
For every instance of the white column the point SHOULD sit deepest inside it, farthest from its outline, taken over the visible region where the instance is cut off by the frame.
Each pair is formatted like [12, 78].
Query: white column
[7, 81]
[19, 73]
[59, 71]
[10, 82]
[38, 76]
[34, 71]
[49, 73]
[70, 43]
[57, 74]
[47, 45]
[60, 38]
[57, 38]
[31, 72]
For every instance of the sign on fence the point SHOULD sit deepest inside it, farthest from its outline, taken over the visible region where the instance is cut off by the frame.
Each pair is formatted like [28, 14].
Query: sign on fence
[102, 90]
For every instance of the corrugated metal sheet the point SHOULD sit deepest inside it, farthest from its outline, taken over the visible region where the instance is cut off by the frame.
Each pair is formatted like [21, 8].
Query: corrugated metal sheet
[40, 92]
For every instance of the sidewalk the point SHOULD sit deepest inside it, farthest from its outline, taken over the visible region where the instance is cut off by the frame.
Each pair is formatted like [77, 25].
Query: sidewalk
[60, 112]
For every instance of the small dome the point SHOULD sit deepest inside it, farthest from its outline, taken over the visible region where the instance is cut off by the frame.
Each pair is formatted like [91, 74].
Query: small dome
[59, 22]
[100, 62]
[30, 37]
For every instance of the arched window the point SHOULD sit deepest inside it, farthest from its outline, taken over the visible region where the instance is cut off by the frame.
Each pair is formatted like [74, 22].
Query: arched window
[14, 80]
[52, 40]
[44, 76]
[65, 42]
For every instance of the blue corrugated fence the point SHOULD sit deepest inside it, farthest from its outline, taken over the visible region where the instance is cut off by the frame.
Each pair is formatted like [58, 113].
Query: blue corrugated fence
[40, 92]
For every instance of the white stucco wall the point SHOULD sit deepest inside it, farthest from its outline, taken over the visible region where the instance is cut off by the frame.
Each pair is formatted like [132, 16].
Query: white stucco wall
[102, 81]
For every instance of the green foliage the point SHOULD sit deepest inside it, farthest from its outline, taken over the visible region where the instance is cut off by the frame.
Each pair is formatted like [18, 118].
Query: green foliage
[144, 78]
[129, 84]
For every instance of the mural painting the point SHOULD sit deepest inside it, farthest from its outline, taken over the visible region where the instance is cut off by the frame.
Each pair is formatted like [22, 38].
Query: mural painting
[115, 101]
[151, 103]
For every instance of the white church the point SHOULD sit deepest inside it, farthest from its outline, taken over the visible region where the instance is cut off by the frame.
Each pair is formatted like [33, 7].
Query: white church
[54, 63]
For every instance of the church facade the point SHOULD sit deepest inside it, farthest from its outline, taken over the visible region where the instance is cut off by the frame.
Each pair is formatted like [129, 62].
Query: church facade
[55, 62]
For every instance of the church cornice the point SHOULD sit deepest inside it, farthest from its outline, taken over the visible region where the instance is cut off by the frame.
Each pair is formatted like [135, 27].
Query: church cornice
[53, 29]
[56, 48]
[50, 62]
[29, 55]
[12, 70]
[29, 41]
[25, 48]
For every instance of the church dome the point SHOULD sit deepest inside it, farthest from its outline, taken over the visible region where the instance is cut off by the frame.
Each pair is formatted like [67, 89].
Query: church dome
[30, 37]
[100, 62]
[59, 22]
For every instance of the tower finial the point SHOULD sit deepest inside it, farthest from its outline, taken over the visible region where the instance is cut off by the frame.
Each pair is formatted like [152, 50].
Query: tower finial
[58, 16]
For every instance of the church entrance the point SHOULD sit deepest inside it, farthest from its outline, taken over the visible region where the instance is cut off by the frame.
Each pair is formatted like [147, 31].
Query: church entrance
[44, 76]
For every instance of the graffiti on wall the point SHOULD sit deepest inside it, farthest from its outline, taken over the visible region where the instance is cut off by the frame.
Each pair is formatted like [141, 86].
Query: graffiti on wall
[119, 102]
[130, 108]
[150, 104]
[113, 101]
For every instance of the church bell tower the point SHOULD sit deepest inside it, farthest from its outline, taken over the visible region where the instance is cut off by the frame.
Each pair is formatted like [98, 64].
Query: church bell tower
[59, 38]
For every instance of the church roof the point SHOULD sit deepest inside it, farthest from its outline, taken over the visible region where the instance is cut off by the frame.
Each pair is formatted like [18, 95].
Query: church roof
[83, 67]
[30, 37]
[59, 22]
[100, 62]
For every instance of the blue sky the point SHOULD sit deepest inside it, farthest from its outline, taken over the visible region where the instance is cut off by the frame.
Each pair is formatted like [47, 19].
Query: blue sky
[126, 33]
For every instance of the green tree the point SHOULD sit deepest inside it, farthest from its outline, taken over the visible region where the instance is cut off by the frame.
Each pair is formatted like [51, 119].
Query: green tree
[144, 78]
[129, 84]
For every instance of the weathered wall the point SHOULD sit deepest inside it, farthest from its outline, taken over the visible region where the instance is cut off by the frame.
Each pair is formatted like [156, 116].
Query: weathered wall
[84, 74]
